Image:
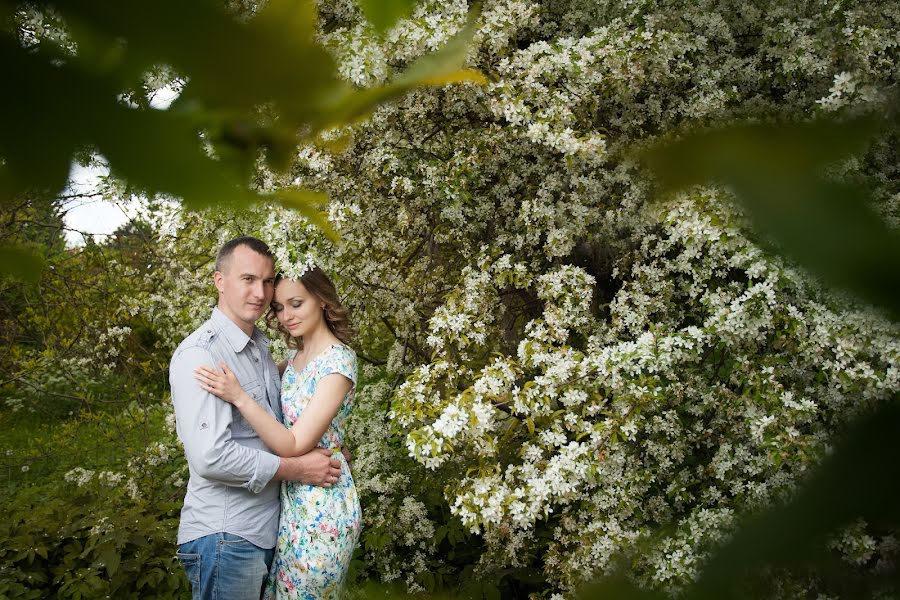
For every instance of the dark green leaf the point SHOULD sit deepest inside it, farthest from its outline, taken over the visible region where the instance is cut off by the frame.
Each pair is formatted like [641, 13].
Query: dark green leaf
[777, 173]
[860, 480]
[618, 588]
[111, 560]
[758, 151]
[382, 14]
[490, 591]
[252, 87]
[21, 263]
[310, 204]
[439, 68]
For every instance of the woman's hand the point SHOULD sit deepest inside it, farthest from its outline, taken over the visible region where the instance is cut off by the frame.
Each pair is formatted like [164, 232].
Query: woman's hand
[221, 383]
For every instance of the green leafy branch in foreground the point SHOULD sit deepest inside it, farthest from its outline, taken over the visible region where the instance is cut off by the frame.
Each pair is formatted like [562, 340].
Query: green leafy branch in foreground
[860, 480]
[778, 175]
[252, 89]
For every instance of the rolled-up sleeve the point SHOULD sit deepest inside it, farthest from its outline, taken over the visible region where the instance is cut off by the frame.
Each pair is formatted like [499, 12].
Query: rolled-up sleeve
[204, 428]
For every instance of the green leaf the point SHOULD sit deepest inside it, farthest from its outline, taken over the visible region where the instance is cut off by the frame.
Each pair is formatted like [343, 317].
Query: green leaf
[776, 172]
[490, 591]
[253, 88]
[764, 150]
[310, 204]
[440, 533]
[21, 263]
[861, 479]
[382, 14]
[229, 63]
[619, 588]
[154, 150]
[171, 162]
[426, 578]
[438, 68]
[445, 65]
[111, 559]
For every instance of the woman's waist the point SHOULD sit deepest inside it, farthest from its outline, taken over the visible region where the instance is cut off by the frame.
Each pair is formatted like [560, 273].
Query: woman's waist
[344, 487]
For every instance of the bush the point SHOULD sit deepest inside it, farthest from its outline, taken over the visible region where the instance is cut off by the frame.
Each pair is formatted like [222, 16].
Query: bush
[85, 533]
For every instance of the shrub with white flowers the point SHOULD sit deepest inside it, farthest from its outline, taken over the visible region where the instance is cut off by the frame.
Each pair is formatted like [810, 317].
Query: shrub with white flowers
[558, 369]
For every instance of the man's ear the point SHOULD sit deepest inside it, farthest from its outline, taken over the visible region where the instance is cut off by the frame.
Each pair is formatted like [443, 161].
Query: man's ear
[218, 278]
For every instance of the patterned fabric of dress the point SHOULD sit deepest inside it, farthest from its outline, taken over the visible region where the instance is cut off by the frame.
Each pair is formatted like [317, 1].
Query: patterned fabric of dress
[319, 527]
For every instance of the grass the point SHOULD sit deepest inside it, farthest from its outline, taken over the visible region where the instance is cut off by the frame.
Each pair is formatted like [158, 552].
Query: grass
[26, 453]
[36, 449]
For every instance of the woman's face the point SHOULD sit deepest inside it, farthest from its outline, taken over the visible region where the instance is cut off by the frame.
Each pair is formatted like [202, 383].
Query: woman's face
[297, 310]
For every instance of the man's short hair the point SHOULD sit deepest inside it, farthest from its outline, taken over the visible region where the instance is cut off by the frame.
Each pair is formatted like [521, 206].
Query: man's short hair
[228, 247]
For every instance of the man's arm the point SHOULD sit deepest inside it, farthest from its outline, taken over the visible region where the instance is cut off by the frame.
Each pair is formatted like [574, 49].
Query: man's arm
[204, 426]
[316, 467]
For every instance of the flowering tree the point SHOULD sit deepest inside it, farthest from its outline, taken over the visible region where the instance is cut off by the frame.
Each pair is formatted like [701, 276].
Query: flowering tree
[572, 367]
[558, 371]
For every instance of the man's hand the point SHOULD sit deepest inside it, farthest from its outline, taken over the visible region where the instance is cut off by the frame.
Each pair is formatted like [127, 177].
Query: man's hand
[316, 467]
[347, 456]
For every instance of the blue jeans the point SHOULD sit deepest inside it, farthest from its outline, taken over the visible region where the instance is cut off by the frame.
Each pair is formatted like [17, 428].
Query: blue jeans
[224, 566]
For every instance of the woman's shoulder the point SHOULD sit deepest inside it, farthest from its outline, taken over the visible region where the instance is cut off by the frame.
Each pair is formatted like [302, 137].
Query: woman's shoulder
[342, 349]
[341, 358]
[342, 353]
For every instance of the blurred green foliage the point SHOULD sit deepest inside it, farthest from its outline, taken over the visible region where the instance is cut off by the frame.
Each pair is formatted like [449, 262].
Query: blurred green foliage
[780, 174]
[21, 263]
[253, 89]
[384, 13]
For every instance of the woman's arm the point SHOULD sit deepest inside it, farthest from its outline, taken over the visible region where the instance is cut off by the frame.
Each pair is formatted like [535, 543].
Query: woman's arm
[317, 416]
[306, 432]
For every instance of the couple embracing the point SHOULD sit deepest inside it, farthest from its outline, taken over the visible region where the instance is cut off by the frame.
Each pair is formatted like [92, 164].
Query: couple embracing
[271, 509]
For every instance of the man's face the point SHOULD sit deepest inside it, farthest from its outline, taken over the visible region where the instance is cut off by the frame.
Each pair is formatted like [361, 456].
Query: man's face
[245, 285]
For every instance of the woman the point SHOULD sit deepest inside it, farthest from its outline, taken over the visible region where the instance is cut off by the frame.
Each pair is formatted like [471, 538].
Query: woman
[318, 527]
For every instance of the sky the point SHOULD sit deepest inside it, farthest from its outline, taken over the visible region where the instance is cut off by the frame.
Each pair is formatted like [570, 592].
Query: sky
[93, 215]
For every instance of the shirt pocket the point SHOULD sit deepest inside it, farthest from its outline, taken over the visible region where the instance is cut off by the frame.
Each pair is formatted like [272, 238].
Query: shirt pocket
[240, 426]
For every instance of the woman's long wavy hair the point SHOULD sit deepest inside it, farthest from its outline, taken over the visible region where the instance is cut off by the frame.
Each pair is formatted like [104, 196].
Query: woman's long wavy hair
[337, 317]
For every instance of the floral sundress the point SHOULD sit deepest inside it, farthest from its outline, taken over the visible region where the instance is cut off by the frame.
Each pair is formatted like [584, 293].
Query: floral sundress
[319, 527]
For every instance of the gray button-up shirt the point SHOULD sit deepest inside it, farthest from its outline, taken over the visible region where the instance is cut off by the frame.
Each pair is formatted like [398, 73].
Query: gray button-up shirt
[230, 487]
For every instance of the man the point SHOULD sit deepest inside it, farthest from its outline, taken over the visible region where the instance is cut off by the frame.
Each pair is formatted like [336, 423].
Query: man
[229, 520]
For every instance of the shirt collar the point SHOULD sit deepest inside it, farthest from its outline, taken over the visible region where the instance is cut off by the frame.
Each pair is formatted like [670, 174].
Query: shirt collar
[237, 338]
